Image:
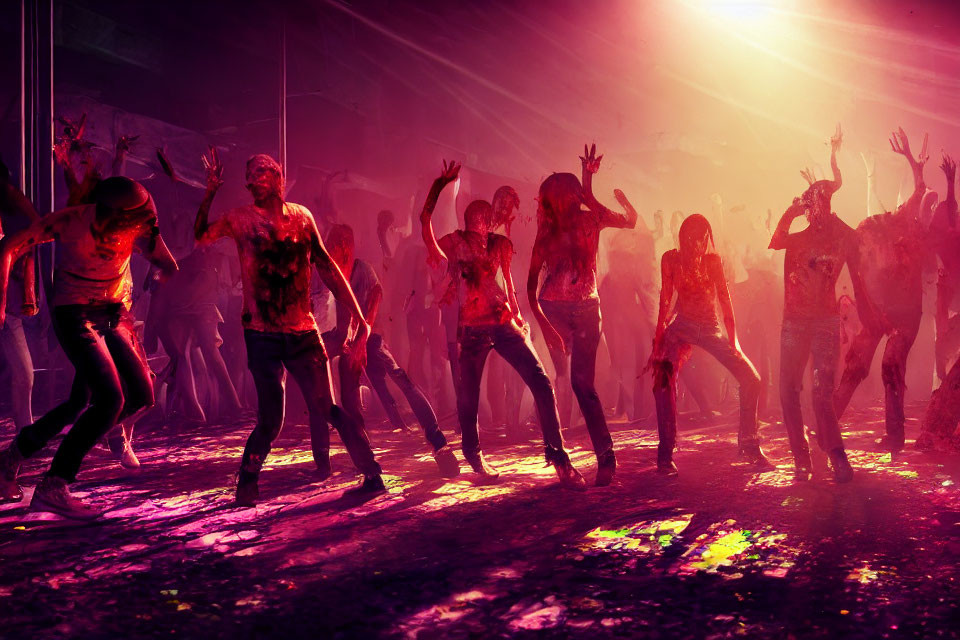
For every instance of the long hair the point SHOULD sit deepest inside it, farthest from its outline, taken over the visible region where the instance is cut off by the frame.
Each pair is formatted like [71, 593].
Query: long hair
[560, 194]
[695, 226]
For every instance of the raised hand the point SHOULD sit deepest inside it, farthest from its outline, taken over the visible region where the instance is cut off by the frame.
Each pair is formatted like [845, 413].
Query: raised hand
[836, 140]
[901, 144]
[808, 175]
[125, 143]
[214, 169]
[450, 172]
[590, 160]
[949, 168]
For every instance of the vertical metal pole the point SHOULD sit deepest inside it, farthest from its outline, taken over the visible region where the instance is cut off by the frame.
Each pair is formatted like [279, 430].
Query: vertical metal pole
[283, 93]
[48, 137]
[23, 95]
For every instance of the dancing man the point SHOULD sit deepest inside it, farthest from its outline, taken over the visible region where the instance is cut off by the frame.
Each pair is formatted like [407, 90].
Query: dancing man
[277, 241]
[92, 290]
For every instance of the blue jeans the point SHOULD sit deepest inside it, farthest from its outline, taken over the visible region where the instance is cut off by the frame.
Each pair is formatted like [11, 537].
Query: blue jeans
[270, 355]
[515, 347]
[801, 339]
[679, 336]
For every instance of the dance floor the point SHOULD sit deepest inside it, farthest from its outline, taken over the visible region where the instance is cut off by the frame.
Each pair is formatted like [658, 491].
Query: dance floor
[721, 551]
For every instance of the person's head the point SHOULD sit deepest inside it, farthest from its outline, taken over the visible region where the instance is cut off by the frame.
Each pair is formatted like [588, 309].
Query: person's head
[478, 216]
[264, 177]
[385, 220]
[122, 205]
[816, 201]
[560, 194]
[505, 204]
[695, 237]
[340, 245]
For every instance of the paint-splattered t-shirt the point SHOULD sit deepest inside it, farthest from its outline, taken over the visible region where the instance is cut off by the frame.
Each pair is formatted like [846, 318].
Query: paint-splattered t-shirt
[93, 268]
[473, 267]
[275, 260]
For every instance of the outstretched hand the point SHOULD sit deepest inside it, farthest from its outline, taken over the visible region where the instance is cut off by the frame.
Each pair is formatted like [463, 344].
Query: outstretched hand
[949, 168]
[901, 144]
[808, 175]
[450, 172]
[590, 160]
[214, 169]
[836, 140]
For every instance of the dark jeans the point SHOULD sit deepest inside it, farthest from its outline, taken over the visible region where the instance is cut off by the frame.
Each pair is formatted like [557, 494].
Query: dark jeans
[380, 364]
[270, 356]
[516, 349]
[706, 335]
[893, 371]
[578, 323]
[112, 382]
[799, 340]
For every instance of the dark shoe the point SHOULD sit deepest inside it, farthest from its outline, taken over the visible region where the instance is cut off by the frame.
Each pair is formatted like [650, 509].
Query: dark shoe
[322, 460]
[482, 468]
[371, 485]
[842, 471]
[667, 467]
[248, 491]
[606, 468]
[116, 443]
[754, 455]
[10, 490]
[53, 495]
[447, 461]
[890, 443]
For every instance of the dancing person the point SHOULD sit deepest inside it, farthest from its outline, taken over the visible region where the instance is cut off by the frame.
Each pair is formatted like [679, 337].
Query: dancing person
[813, 260]
[567, 308]
[92, 289]
[380, 362]
[277, 241]
[893, 257]
[695, 273]
[489, 319]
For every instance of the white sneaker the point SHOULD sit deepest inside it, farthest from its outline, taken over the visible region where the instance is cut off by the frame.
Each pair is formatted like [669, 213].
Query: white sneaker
[128, 459]
[53, 495]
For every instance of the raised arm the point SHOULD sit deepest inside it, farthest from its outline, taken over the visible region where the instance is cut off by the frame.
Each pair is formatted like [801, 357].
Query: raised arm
[435, 255]
[835, 142]
[124, 143]
[590, 164]
[214, 169]
[900, 144]
[782, 232]
[949, 168]
[537, 262]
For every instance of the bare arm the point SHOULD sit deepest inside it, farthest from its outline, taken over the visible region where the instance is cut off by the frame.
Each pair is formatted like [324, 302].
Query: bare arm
[435, 255]
[12, 246]
[537, 262]
[120, 154]
[782, 232]
[900, 144]
[506, 258]
[590, 165]
[949, 167]
[155, 250]
[373, 304]
[726, 304]
[835, 143]
[666, 297]
[214, 170]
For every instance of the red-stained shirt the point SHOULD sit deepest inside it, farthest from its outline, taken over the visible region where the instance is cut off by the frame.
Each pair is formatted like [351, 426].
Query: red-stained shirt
[93, 268]
[570, 249]
[695, 285]
[275, 259]
[473, 268]
[811, 267]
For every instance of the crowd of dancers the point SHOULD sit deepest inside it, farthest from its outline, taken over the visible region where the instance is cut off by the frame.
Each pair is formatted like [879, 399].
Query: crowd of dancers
[461, 304]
